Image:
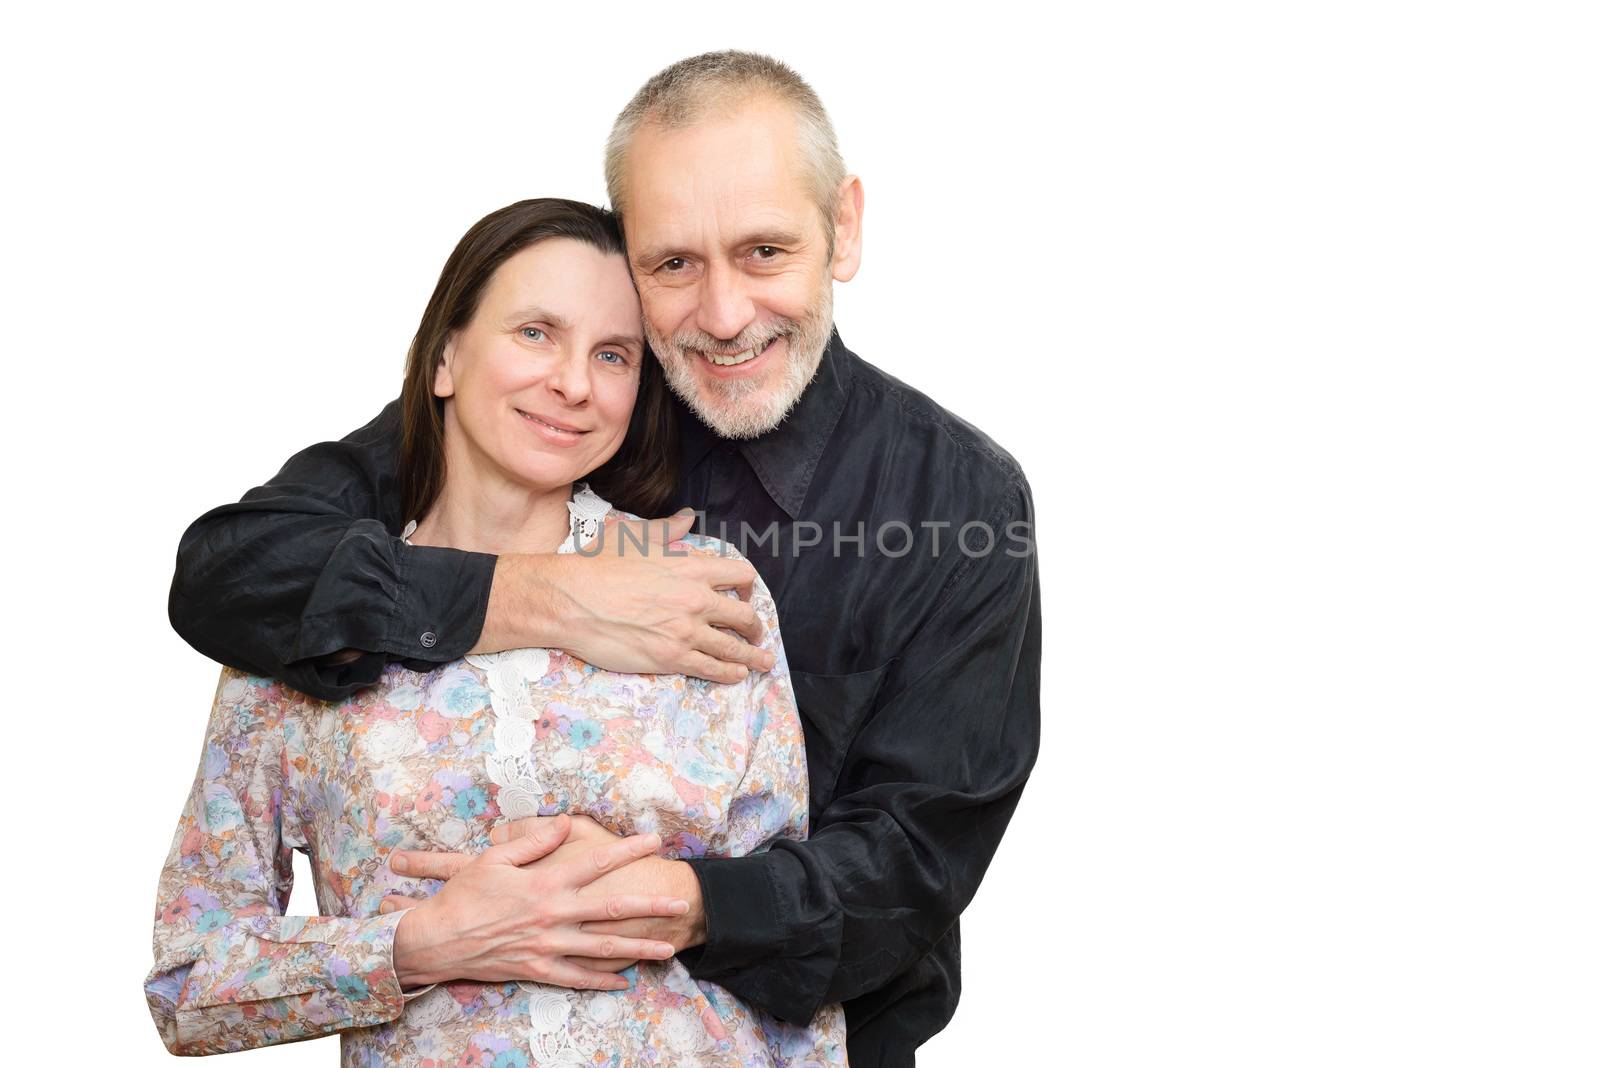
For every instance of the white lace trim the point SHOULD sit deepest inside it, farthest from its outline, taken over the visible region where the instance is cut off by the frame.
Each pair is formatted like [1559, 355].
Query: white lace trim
[511, 767]
[511, 673]
[588, 511]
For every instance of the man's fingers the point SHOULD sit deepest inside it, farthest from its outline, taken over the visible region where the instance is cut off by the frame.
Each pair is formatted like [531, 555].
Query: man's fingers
[531, 825]
[731, 650]
[563, 972]
[738, 617]
[618, 536]
[628, 907]
[711, 669]
[420, 864]
[606, 858]
[726, 573]
[676, 525]
[397, 901]
[586, 828]
[594, 964]
[527, 848]
[610, 946]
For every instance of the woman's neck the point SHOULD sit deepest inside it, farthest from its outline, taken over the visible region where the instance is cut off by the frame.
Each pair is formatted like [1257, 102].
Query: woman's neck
[482, 509]
[498, 520]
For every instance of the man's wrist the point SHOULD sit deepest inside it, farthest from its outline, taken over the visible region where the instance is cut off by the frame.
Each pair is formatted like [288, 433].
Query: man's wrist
[693, 922]
[525, 603]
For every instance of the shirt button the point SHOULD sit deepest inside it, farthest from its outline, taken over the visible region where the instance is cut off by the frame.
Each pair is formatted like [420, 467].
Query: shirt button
[429, 639]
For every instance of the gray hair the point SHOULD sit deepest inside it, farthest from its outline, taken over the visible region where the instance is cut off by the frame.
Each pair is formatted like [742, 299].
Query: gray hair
[685, 92]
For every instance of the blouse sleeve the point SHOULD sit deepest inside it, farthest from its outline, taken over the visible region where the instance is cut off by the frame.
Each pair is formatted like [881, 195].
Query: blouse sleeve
[772, 799]
[231, 970]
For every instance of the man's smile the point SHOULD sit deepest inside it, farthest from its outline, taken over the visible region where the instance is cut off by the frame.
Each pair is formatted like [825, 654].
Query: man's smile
[737, 359]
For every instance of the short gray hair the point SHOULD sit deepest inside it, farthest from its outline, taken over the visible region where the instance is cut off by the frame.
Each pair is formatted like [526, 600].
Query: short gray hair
[685, 92]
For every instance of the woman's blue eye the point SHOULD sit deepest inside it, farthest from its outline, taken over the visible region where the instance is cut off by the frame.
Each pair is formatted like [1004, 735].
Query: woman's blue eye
[616, 358]
[529, 330]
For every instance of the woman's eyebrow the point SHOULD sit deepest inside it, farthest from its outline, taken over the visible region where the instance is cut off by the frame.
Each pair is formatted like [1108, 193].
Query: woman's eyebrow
[623, 341]
[543, 315]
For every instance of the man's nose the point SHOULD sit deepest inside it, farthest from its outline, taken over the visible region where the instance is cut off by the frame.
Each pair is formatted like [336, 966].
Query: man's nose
[569, 379]
[725, 309]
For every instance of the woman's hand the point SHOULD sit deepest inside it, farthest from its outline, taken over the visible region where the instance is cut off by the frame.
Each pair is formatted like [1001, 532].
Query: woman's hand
[648, 875]
[494, 920]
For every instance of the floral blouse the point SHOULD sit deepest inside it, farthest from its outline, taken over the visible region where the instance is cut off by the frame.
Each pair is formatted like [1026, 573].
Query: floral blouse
[433, 761]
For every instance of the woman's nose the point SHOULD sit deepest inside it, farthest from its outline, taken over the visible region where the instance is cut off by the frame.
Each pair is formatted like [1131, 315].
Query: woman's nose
[570, 378]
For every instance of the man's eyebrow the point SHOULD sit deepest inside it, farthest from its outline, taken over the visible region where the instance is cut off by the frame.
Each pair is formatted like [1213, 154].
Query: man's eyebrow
[543, 315]
[650, 256]
[769, 237]
[661, 253]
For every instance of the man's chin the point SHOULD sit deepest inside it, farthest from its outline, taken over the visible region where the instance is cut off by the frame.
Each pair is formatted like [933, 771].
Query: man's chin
[743, 415]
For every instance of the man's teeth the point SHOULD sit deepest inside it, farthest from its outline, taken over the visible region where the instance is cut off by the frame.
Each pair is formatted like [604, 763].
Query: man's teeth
[731, 361]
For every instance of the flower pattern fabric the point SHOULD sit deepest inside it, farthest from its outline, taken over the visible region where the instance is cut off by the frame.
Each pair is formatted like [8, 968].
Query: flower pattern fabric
[434, 761]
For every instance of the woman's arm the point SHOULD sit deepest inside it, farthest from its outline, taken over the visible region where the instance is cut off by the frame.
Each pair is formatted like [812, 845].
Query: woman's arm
[772, 800]
[231, 970]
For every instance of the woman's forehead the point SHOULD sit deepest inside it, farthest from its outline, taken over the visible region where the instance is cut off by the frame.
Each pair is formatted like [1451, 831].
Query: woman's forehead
[570, 284]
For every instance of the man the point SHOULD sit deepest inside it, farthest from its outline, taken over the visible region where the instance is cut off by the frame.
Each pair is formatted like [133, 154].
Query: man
[895, 538]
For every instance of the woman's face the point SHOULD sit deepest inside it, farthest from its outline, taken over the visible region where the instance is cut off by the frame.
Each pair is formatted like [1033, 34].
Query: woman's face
[541, 383]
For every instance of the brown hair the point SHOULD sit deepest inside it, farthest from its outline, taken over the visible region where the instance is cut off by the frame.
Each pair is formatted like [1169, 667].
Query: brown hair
[642, 474]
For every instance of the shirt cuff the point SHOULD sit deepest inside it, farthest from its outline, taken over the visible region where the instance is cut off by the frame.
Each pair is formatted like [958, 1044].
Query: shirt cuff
[776, 950]
[442, 602]
[379, 595]
[743, 924]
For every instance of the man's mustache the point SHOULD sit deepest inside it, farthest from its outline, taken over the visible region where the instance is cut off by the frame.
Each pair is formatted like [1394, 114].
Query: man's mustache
[754, 338]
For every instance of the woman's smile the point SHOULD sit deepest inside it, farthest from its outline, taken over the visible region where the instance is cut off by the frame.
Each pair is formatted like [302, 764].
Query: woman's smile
[552, 430]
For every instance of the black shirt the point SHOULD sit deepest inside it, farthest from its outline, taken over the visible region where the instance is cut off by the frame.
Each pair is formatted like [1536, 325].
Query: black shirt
[897, 542]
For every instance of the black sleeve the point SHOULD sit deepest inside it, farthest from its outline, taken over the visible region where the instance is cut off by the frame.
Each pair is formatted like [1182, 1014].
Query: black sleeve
[310, 564]
[927, 788]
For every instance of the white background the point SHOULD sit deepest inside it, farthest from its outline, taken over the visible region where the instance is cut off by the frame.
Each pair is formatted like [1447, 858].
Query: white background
[1288, 310]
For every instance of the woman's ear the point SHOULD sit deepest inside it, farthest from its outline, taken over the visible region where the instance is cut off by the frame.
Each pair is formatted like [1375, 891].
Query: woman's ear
[444, 384]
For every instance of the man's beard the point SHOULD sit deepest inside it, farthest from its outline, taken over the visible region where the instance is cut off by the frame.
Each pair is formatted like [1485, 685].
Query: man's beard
[735, 408]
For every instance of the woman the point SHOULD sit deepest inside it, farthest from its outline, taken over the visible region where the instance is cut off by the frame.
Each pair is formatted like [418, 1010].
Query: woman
[527, 374]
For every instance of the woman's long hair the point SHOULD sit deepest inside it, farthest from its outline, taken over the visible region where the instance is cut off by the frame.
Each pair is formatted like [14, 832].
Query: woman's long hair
[642, 474]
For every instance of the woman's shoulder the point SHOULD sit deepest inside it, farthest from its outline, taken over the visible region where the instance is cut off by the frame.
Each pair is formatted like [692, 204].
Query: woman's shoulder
[699, 544]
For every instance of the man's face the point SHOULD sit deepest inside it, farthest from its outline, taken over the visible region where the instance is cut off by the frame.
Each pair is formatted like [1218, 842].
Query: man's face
[728, 250]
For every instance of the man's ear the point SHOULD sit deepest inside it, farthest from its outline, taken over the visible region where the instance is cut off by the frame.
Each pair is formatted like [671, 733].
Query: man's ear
[847, 230]
[444, 384]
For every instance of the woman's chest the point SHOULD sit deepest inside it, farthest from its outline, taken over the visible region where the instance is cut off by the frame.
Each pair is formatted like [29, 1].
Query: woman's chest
[434, 761]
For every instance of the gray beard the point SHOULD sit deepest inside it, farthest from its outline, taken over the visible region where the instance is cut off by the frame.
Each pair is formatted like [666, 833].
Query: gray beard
[735, 409]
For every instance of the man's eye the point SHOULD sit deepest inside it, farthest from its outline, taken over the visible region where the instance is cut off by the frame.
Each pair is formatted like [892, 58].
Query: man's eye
[676, 263]
[765, 252]
[533, 333]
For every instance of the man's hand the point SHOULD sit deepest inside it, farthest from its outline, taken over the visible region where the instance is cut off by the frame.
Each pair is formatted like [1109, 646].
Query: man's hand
[495, 920]
[635, 601]
[648, 875]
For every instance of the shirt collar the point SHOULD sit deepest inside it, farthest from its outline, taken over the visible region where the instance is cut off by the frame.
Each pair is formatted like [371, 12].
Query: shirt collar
[785, 457]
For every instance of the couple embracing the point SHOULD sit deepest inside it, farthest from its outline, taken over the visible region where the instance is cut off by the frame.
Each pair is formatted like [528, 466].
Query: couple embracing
[570, 792]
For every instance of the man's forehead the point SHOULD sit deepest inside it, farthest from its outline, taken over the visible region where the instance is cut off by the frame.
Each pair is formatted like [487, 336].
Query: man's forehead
[746, 155]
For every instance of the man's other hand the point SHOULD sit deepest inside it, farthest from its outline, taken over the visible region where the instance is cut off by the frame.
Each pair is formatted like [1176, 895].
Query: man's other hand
[636, 600]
